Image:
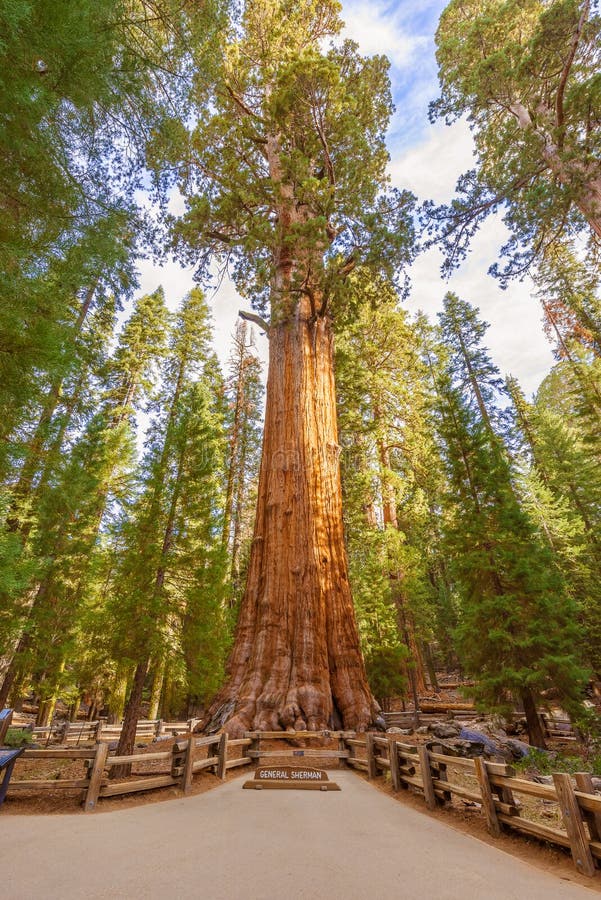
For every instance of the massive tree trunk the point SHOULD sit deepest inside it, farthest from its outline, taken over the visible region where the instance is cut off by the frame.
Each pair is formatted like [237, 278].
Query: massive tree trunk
[296, 661]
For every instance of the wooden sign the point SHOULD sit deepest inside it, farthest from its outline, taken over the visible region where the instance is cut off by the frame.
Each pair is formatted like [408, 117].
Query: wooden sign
[283, 773]
[282, 777]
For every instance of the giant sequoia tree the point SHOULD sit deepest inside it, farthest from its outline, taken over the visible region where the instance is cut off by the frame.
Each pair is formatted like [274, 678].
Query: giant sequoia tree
[285, 173]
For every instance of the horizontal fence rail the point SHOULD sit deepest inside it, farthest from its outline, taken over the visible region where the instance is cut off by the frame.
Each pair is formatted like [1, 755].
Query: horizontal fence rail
[62, 732]
[180, 763]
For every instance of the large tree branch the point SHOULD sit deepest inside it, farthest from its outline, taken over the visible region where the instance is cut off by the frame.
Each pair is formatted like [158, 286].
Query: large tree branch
[253, 317]
[559, 112]
[242, 105]
[219, 236]
[326, 150]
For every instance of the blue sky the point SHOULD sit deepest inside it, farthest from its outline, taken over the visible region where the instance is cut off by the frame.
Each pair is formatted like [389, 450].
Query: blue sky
[427, 159]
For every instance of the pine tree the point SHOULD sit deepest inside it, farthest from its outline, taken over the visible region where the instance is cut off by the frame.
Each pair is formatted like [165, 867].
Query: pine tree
[388, 476]
[245, 392]
[174, 518]
[518, 630]
[563, 491]
[69, 511]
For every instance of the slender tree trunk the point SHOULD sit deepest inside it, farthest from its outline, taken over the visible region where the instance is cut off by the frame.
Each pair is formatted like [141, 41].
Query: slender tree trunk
[157, 687]
[414, 669]
[74, 709]
[296, 661]
[133, 705]
[35, 448]
[241, 488]
[118, 693]
[45, 711]
[536, 734]
[130, 720]
[233, 474]
[431, 668]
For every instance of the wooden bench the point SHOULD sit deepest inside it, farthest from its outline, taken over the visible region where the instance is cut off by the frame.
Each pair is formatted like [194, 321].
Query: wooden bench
[6, 717]
[7, 763]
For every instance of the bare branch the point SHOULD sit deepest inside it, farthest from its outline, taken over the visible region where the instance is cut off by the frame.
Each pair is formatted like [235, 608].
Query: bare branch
[253, 317]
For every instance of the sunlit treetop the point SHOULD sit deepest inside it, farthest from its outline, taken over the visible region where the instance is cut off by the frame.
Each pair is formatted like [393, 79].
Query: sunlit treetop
[526, 73]
[288, 158]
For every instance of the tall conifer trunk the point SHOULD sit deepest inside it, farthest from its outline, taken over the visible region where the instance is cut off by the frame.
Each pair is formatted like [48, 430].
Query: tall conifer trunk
[296, 661]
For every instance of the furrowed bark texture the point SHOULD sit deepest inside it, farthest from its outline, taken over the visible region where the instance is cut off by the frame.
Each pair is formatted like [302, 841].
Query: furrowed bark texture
[296, 661]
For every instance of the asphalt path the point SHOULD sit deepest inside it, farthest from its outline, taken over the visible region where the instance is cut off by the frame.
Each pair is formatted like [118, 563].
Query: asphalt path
[234, 844]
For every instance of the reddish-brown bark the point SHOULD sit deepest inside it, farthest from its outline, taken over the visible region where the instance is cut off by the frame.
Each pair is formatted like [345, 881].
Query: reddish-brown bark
[296, 661]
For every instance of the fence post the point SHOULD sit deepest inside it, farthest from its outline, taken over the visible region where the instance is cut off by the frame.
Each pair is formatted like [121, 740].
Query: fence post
[158, 729]
[178, 759]
[572, 819]
[65, 734]
[255, 746]
[442, 772]
[426, 773]
[96, 773]
[372, 769]
[584, 783]
[488, 803]
[222, 754]
[395, 771]
[352, 751]
[99, 727]
[188, 765]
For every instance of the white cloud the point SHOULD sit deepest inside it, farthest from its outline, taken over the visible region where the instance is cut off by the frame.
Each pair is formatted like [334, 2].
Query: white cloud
[515, 338]
[175, 279]
[430, 168]
[378, 29]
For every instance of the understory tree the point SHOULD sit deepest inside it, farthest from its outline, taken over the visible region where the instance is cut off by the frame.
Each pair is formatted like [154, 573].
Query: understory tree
[245, 395]
[170, 535]
[285, 174]
[81, 477]
[518, 632]
[390, 467]
[561, 449]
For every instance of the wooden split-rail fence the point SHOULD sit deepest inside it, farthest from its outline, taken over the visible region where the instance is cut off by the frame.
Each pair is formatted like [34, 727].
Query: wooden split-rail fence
[180, 762]
[61, 732]
[494, 788]
[435, 775]
[64, 732]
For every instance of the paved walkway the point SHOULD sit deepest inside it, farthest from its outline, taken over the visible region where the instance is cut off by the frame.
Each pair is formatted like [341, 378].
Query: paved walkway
[231, 844]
